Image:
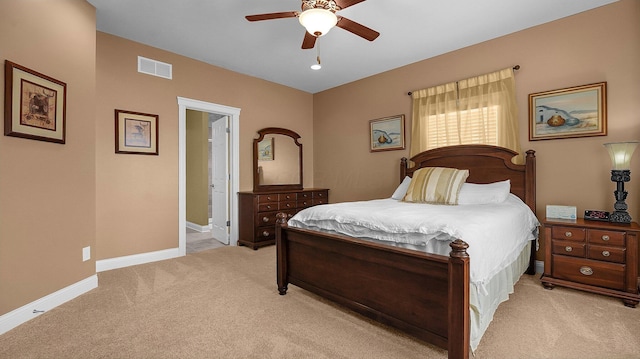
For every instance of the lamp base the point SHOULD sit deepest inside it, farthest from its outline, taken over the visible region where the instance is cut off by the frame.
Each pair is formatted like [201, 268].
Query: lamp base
[620, 217]
[620, 214]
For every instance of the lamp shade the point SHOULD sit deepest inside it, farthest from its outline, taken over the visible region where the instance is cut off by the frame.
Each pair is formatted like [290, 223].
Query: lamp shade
[318, 21]
[620, 153]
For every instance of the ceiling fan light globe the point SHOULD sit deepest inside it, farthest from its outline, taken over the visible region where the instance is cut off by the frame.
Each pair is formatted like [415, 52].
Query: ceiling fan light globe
[318, 21]
[316, 67]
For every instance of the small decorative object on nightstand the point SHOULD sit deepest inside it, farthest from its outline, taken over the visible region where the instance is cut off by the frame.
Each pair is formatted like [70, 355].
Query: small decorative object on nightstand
[620, 153]
[599, 257]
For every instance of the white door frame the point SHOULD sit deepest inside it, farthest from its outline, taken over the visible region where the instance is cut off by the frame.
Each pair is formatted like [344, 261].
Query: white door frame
[185, 104]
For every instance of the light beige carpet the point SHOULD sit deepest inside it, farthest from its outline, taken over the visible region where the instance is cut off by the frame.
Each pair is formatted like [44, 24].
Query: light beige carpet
[223, 303]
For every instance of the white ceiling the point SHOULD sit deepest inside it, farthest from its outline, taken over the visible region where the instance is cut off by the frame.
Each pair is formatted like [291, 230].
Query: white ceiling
[216, 32]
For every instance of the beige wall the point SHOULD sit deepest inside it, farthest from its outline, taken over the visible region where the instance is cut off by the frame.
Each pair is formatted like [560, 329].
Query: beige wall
[197, 148]
[137, 196]
[47, 190]
[599, 45]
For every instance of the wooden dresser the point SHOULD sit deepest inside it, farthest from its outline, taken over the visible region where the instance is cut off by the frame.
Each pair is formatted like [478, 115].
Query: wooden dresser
[598, 257]
[257, 212]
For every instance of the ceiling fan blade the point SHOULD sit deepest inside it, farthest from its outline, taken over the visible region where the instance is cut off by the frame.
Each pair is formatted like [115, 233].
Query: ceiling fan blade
[343, 4]
[271, 16]
[357, 29]
[309, 41]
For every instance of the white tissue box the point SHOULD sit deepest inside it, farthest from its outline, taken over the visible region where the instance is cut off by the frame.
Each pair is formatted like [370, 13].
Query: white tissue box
[561, 212]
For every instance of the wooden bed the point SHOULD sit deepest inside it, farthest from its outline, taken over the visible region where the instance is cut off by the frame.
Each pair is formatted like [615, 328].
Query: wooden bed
[424, 295]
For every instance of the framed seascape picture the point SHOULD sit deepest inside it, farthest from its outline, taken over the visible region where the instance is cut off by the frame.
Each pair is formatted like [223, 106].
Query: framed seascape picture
[34, 105]
[136, 133]
[266, 149]
[386, 134]
[579, 111]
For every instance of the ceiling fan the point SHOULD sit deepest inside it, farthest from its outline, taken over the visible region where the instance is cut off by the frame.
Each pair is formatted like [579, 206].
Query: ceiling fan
[318, 17]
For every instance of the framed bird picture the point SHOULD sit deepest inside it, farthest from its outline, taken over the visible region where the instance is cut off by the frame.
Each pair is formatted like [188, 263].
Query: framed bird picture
[136, 133]
[387, 133]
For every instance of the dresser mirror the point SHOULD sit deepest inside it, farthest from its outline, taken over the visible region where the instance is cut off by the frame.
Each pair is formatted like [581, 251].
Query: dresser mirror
[277, 160]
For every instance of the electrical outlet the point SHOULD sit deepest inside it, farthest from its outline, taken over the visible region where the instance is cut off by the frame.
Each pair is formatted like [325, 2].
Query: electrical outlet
[86, 253]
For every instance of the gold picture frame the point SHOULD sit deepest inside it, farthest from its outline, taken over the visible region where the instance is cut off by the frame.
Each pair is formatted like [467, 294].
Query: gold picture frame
[136, 133]
[386, 134]
[34, 105]
[579, 111]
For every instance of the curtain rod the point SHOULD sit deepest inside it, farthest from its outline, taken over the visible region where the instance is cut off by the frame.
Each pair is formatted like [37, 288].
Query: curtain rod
[517, 67]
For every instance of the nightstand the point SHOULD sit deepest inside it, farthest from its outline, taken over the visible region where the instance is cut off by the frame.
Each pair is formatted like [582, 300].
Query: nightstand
[598, 257]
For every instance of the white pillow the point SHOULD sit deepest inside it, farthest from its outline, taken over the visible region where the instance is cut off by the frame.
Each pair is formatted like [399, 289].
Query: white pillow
[474, 193]
[402, 189]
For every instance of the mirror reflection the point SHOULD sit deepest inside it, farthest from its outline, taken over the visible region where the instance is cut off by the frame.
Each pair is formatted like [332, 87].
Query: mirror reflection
[277, 160]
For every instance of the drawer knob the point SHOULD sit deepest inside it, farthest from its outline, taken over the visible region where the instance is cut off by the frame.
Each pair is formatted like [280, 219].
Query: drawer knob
[568, 248]
[586, 270]
[268, 207]
[605, 253]
[265, 219]
[568, 234]
[288, 204]
[605, 237]
[265, 233]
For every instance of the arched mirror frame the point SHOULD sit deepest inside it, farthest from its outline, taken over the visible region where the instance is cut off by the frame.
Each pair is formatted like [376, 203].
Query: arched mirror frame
[257, 187]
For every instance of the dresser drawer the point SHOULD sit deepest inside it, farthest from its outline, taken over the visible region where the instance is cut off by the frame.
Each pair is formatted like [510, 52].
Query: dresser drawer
[317, 201]
[602, 274]
[265, 198]
[568, 233]
[609, 238]
[284, 205]
[304, 203]
[287, 197]
[321, 195]
[305, 195]
[609, 254]
[569, 248]
[266, 207]
[266, 233]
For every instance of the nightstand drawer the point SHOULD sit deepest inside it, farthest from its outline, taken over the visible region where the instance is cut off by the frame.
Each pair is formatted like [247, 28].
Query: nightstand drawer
[608, 275]
[609, 238]
[568, 233]
[609, 254]
[569, 248]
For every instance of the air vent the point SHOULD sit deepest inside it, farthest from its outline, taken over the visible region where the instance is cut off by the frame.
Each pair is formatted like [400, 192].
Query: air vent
[155, 68]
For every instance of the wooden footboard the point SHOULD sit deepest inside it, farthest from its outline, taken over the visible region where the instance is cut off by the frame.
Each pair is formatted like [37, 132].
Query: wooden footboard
[424, 295]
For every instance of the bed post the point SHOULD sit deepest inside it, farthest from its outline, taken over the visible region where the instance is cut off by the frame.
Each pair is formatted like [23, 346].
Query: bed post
[530, 199]
[281, 253]
[403, 168]
[459, 318]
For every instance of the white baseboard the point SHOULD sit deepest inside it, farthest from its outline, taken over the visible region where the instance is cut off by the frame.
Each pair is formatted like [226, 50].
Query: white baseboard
[29, 311]
[135, 259]
[199, 228]
[539, 267]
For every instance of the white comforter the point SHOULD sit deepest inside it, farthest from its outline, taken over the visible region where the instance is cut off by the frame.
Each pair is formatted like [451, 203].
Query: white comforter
[496, 233]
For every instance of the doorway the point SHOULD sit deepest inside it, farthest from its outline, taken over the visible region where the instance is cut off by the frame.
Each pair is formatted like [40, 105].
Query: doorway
[233, 115]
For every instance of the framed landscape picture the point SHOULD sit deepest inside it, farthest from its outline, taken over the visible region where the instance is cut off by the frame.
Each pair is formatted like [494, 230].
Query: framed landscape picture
[136, 133]
[34, 105]
[386, 134]
[579, 111]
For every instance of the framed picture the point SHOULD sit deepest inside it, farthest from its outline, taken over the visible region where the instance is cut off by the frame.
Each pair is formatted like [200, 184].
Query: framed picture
[266, 149]
[34, 105]
[386, 133]
[579, 111]
[136, 133]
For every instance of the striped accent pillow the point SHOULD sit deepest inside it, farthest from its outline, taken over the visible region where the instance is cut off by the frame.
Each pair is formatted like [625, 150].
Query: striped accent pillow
[436, 185]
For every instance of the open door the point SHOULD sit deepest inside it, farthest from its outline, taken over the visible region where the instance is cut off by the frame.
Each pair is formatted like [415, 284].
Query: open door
[220, 180]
